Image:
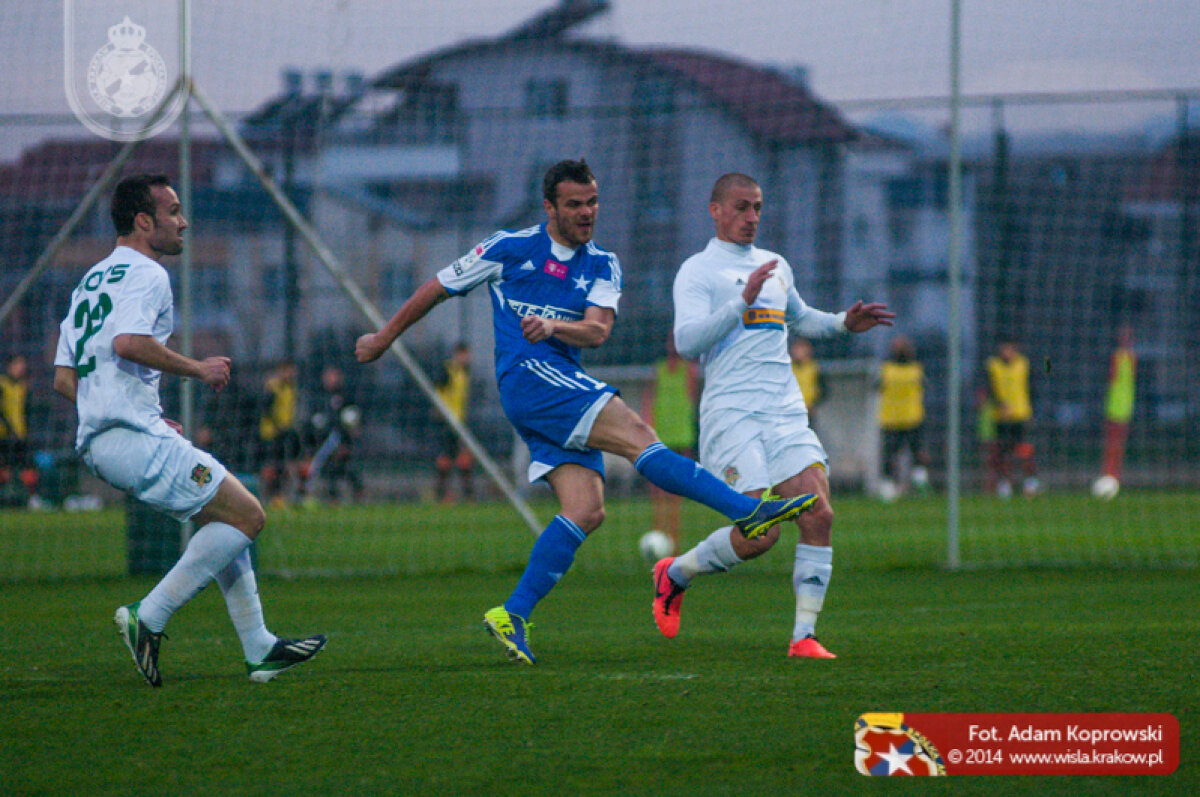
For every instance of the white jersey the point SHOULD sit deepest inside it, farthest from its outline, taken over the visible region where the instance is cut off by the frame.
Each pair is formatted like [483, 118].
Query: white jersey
[126, 292]
[743, 348]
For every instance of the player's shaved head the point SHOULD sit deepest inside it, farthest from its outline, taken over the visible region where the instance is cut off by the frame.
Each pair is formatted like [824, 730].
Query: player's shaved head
[727, 182]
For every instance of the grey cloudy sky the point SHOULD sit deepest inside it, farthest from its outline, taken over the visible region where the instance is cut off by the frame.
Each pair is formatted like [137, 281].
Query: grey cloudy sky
[867, 49]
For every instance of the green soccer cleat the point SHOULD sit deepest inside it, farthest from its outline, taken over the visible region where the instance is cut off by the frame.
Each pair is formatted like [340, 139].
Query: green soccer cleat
[285, 655]
[141, 641]
[513, 633]
[771, 510]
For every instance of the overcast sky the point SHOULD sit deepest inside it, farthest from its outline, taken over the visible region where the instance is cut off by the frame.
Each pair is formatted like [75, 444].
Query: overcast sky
[868, 49]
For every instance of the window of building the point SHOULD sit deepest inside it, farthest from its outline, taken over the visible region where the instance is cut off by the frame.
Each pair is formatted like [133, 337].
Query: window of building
[430, 113]
[546, 98]
[272, 283]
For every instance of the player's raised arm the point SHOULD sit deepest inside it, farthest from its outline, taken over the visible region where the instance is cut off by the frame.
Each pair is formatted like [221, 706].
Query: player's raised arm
[371, 346]
[145, 350]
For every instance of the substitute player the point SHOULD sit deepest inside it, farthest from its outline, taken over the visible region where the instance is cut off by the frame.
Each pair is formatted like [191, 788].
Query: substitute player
[734, 305]
[1008, 381]
[553, 292]
[110, 358]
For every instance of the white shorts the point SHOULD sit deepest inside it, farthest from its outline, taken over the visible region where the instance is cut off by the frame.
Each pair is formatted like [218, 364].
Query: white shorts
[168, 473]
[756, 450]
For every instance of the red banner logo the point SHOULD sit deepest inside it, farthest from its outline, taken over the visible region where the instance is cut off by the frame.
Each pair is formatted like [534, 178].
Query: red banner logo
[1016, 744]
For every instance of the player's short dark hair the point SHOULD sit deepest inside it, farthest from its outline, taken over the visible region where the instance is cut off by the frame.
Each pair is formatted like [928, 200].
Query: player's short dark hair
[131, 197]
[726, 182]
[567, 171]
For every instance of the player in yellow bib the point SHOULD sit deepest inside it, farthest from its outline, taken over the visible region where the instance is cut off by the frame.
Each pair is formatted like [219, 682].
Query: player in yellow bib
[1118, 403]
[670, 407]
[808, 376]
[902, 414]
[454, 388]
[1008, 382]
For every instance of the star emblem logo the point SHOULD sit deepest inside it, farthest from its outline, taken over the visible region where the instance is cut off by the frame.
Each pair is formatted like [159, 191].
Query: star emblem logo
[581, 283]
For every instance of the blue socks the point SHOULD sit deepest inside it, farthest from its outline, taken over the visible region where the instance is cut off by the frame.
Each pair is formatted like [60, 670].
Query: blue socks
[682, 476]
[550, 558]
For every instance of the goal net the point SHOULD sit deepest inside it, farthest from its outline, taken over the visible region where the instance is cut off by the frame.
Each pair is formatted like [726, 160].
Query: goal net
[1079, 219]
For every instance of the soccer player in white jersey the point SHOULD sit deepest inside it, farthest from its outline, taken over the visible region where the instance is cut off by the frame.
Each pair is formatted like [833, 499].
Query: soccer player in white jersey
[734, 306]
[111, 355]
[554, 292]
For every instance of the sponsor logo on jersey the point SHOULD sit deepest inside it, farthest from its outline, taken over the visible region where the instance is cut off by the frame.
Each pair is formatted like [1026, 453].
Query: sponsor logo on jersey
[762, 318]
[528, 266]
[523, 309]
[467, 260]
[555, 269]
[201, 475]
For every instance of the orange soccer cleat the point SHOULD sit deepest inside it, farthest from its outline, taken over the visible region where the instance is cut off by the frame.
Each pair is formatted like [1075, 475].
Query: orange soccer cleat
[668, 599]
[809, 648]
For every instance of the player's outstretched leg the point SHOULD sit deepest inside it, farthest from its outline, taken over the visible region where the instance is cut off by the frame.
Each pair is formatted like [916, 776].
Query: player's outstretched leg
[141, 641]
[682, 476]
[668, 599]
[513, 633]
[285, 655]
[771, 510]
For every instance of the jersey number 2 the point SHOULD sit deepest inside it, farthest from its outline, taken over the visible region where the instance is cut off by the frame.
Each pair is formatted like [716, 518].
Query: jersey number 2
[89, 318]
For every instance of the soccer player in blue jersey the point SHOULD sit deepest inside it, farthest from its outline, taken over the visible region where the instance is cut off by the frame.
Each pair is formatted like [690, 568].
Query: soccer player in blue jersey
[553, 293]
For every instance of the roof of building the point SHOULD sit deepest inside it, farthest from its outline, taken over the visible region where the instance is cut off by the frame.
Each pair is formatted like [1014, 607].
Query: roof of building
[773, 107]
[66, 168]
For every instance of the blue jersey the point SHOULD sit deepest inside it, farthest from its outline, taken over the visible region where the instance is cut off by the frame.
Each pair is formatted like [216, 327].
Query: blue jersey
[528, 273]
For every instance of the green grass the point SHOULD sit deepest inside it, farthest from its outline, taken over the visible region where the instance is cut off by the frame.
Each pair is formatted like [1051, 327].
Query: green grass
[411, 697]
[1148, 528]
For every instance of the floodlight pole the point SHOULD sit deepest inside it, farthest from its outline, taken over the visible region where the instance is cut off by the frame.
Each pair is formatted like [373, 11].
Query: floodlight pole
[954, 333]
[187, 391]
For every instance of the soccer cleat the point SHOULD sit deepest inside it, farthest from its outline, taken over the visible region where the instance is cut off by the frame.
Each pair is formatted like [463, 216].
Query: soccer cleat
[141, 641]
[284, 655]
[772, 510]
[809, 648]
[668, 599]
[513, 633]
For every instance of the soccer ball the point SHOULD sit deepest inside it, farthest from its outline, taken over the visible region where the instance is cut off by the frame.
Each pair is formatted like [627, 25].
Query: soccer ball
[888, 491]
[654, 545]
[1106, 487]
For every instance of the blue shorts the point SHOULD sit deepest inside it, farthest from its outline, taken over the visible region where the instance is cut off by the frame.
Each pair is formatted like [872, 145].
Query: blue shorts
[553, 408]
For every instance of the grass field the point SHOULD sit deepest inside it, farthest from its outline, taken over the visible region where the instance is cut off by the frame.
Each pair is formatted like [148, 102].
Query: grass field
[411, 697]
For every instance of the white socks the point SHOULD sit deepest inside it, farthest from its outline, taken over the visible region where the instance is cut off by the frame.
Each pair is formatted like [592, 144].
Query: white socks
[240, 588]
[210, 550]
[810, 578]
[714, 554]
